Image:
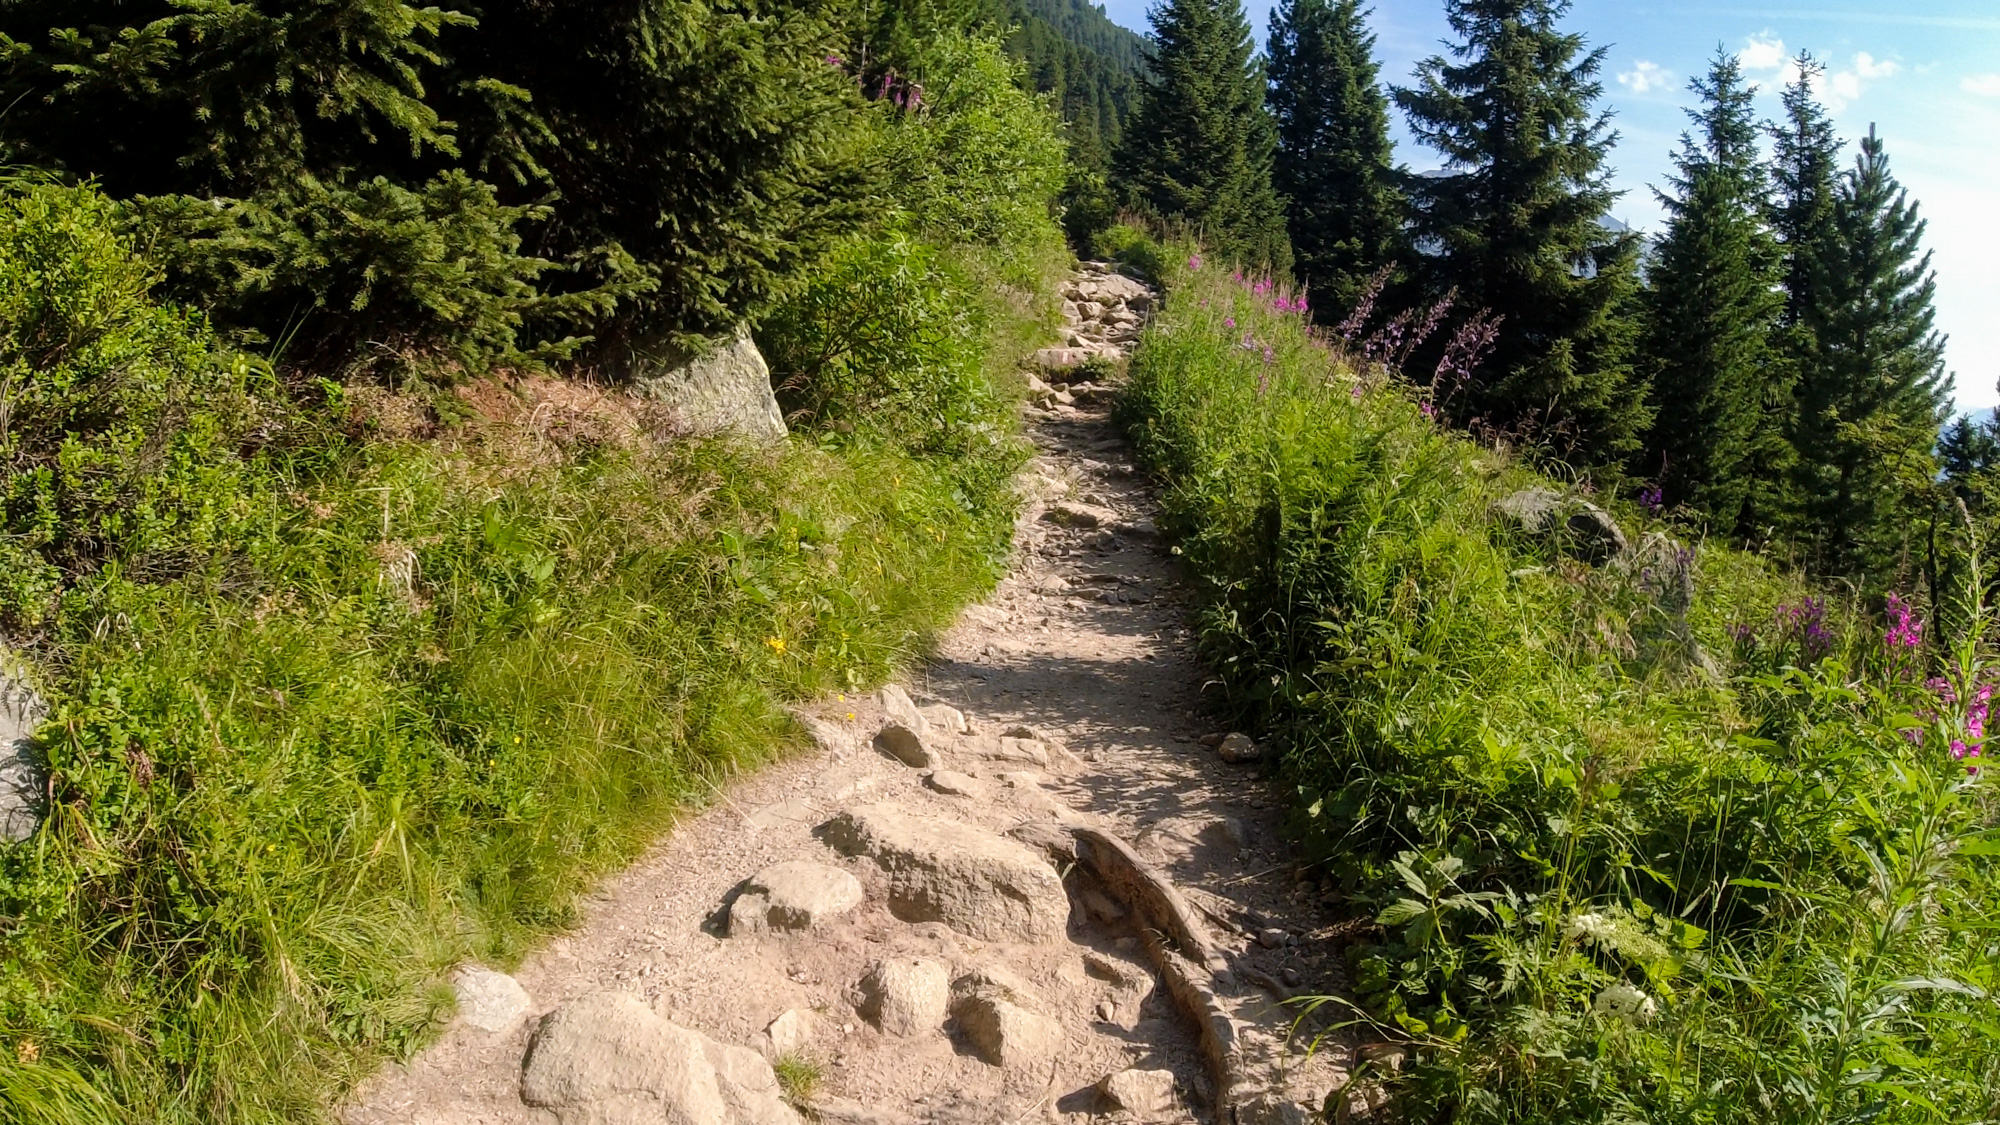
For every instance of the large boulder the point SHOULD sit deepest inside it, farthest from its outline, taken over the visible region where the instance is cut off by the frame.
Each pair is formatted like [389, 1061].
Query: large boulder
[1578, 527]
[792, 897]
[608, 1059]
[725, 388]
[23, 783]
[978, 883]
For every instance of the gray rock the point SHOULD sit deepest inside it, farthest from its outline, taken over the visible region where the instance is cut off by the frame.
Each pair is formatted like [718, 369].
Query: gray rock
[1141, 1093]
[976, 882]
[1237, 747]
[1272, 937]
[898, 706]
[955, 784]
[904, 996]
[1008, 1035]
[1070, 513]
[791, 897]
[608, 1059]
[791, 1033]
[489, 1001]
[23, 783]
[944, 718]
[908, 745]
[1581, 529]
[726, 388]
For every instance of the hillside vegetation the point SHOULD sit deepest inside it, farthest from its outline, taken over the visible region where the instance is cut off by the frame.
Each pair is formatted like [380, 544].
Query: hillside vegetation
[369, 645]
[1663, 839]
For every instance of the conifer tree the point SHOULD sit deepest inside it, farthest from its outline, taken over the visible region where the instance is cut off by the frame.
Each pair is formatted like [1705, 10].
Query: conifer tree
[1805, 169]
[1722, 387]
[1873, 397]
[1201, 145]
[1335, 161]
[1515, 223]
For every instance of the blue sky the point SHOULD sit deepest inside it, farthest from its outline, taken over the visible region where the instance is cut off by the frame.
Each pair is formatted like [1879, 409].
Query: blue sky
[1925, 72]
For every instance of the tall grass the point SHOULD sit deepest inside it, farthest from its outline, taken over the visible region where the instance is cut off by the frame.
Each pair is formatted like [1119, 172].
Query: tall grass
[1646, 842]
[335, 710]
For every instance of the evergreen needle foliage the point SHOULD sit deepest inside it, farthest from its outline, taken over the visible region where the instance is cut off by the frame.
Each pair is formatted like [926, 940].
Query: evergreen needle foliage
[1200, 148]
[1335, 162]
[1873, 391]
[1722, 388]
[1514, 224]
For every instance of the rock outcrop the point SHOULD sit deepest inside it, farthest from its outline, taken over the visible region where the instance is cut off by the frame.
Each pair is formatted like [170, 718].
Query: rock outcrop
[727, 388]
[978, 883]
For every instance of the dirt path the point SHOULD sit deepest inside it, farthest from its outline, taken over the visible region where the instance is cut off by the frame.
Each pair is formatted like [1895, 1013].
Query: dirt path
[1086, 642]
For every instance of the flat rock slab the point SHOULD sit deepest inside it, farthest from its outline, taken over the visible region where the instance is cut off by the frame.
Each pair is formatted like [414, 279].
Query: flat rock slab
[978, 883]
[608, 1059]
[792, 897]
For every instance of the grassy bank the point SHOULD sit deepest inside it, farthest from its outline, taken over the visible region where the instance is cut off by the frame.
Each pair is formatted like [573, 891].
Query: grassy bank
[351, 684]
[1666, 840]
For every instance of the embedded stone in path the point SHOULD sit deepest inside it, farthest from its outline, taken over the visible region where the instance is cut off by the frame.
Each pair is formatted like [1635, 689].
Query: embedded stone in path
[955, 784]
[791, 1033]
[944, 718]
[904, 996]
[899, 707]
[792, 896]
[908, 745]
[1141, 1093]
[1070, 513]
[489, 1001]
[976, 882]
[1238, 747]
[1007, 1035]
[608, 1059]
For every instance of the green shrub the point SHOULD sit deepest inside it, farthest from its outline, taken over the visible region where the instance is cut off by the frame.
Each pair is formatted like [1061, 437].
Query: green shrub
[1548, 787]
[332, 715]
[119, 425]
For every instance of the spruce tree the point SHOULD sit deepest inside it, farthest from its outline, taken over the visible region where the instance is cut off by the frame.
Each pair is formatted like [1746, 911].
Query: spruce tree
[1335, 161]
[1515, 223]
[1721, 385]
[1201, 145]
[1873, 397]
[1805, 169]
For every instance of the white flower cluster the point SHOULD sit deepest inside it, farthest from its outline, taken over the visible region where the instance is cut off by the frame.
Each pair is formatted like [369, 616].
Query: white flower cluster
[1595, 927]
[1623, 1002]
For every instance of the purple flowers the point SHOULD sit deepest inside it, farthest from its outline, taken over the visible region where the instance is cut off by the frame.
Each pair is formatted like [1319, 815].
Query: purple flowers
[1806, 624]
[1906, 629]
[1229, 322]
[1653, 499]
[1429, 410]
[1194, 263]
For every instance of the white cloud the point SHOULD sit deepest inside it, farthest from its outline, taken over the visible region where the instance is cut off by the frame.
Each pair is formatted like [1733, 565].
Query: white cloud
[1984, 85]
[1644, 77]
[1763, 51]
[1866, 66]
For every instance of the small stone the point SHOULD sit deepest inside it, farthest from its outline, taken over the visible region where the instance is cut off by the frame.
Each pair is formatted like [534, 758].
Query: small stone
[953, 783]
[1070, 513]
[1010, 749]
[1022, 779]
[790, 1034]
[1292, 977]
[1141, 1093]
[944, 717]
[904, 996]
[907, 745]
[1107, 1011]
[492, 1002]
[1237, 747]
[1273, 1109]
[792, 896]
[1272, 938]
[993, 981]
[1007, 1035]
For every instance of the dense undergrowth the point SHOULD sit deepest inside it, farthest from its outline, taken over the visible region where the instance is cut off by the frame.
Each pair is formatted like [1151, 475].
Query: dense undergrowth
[1668, 840]
[350, 683]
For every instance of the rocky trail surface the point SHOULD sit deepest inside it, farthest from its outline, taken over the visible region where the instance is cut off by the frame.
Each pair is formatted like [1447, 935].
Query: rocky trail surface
[1020, 889]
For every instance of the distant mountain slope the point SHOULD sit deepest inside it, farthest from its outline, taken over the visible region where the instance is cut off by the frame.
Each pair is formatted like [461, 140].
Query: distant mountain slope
[1090, 64]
